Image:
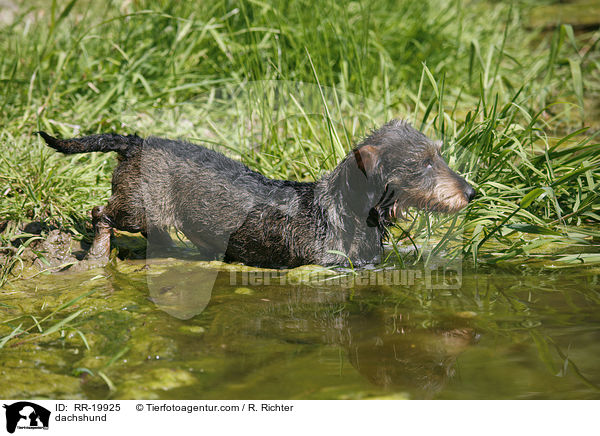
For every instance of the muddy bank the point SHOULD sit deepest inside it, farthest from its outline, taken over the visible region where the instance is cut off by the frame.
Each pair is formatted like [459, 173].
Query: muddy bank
[35, 247]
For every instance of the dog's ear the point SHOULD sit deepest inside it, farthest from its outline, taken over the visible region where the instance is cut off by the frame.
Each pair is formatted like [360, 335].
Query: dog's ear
[367, 159]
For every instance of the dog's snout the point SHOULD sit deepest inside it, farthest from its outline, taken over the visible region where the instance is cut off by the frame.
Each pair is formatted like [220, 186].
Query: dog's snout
[470, 193]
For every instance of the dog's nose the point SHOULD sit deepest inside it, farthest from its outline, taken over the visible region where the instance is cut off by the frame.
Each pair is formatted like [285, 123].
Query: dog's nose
[470, 193]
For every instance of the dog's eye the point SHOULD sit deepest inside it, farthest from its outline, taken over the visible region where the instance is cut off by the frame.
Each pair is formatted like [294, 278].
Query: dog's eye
[428, 164]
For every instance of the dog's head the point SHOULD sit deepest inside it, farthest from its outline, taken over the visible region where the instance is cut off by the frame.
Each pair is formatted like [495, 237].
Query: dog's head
[406, 169]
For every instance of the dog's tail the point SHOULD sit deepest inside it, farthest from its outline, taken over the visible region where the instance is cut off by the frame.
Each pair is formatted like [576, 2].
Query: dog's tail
[105, 142]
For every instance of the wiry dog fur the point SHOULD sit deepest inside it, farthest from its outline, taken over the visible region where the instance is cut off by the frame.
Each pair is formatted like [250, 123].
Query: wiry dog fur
[233, 213]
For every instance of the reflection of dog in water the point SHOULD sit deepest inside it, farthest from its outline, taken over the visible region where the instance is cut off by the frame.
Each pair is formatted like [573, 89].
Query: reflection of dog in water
[393, 347]
[393, 352]
[229, 211]
[26, 414]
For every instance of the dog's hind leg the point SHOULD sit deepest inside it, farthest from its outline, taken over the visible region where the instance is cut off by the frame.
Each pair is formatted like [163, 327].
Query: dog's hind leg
[100, 249]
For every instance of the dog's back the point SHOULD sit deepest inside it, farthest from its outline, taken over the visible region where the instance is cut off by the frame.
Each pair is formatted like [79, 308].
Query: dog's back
[196, 186]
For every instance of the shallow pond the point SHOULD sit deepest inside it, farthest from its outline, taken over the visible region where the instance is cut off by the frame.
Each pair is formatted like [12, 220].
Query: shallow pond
[180, 329]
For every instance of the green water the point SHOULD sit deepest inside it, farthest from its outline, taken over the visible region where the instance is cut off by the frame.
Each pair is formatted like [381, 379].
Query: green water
[179, 330]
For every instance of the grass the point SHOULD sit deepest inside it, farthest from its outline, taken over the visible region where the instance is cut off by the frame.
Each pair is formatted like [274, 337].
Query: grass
[41, 325]
[288, 87]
